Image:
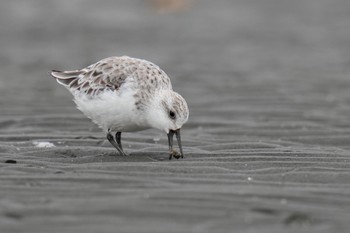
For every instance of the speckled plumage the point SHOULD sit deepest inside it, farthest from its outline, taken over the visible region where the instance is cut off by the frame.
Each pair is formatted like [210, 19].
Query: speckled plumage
[111, 73]
[124, 94]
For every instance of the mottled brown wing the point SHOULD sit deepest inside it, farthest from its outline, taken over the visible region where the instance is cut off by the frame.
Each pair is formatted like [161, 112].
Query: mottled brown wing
[91, 80]
[111, 73]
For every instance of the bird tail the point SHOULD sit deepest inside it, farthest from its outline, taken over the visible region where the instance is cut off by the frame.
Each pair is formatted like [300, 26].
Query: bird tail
[65, 77]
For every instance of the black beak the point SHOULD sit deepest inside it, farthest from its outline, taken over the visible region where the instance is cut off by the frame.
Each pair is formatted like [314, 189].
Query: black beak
[174, 153]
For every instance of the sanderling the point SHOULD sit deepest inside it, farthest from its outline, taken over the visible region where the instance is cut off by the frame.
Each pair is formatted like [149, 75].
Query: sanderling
[124, 94]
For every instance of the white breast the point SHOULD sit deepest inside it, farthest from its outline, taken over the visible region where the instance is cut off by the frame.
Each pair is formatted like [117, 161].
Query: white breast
[111, 110]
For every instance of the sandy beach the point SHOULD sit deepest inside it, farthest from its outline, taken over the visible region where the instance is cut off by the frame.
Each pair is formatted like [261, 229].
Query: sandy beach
[267, 145]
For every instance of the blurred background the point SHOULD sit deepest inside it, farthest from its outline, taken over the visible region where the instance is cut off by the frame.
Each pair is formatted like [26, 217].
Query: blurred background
[242, 65]
[210, 49]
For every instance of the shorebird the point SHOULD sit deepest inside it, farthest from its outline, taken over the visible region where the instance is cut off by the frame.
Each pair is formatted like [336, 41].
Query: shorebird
[124, 94]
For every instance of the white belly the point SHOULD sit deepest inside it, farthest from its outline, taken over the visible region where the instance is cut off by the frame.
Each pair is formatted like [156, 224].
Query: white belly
[111, 111]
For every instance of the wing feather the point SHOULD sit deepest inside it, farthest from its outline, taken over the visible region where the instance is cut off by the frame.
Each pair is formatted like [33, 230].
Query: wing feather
[110, 74]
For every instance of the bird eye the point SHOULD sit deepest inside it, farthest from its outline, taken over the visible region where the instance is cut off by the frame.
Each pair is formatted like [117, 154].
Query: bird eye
[172, 115]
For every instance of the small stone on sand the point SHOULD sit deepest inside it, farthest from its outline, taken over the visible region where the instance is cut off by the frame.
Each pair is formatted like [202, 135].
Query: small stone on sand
[175, 154]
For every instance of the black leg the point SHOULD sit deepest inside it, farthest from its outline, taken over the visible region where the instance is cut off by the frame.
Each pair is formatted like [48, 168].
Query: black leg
[111, 140]
[118, 139]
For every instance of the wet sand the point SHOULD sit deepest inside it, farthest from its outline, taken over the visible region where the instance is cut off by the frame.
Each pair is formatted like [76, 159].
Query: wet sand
[267, 145]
